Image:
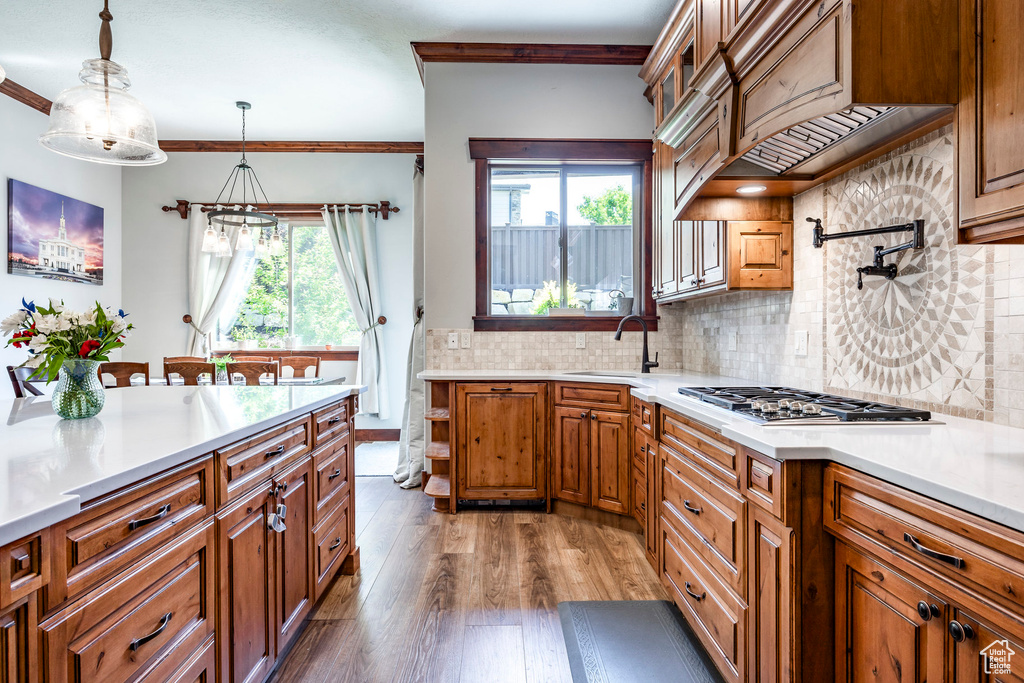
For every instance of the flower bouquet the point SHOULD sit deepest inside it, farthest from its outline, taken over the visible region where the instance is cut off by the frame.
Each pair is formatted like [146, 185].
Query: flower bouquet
[69, 346]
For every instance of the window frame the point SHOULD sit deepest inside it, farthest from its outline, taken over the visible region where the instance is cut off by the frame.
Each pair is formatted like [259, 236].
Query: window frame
[491, 152]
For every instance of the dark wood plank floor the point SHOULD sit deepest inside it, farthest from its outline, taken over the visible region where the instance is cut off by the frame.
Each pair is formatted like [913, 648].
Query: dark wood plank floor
[463, 598]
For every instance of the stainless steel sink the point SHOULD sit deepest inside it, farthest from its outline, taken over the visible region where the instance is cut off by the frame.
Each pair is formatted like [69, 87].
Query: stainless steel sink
[604, 373]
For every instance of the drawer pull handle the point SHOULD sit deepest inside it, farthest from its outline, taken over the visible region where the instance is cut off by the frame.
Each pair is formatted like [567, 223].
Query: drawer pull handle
[643, 506]
[337, 473]
[139, 642]
[698, 598]
[643, 449]
[934, 554]
[696, 511]
[160, 514]
[960, 632]
[337, 542]
[277, 451]
[501, 388]
[333, 421]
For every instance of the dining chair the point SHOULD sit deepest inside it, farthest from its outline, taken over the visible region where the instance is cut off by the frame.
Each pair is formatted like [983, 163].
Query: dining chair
[123, 372]
[184, 359]
[303, 363]
[251, 359]
[251, 372]
[189, 372]
[20, 380]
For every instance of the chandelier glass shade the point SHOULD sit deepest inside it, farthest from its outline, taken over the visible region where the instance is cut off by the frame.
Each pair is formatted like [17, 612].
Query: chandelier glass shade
[99, 121]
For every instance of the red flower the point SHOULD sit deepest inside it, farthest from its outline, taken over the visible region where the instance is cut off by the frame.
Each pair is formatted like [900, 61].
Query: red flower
[22, 338]
[88, 347]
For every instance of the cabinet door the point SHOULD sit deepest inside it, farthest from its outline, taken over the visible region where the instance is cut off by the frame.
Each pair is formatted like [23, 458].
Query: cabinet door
[18, 638]
[248, 584]
[572, 455]
[991, 162]
[686, 232]
[712, 254]
[881, 635]
[610, 461]
[760, 254]
[989, 654]
[665, 275]
[771, 614]
[502, 440]
[295, 550]
[653, 513]
[709, 28]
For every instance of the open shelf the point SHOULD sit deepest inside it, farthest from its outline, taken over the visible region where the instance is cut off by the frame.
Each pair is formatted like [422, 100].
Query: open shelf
[437, 414]
[438, 450]
[440, 430]
[439, 486]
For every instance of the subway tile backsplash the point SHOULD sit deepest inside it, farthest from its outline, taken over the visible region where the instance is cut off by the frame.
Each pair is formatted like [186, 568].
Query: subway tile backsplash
[947, 335]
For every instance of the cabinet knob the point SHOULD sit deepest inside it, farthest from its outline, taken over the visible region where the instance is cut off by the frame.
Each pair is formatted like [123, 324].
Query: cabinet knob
[925, 610]
[593, 417]
[583, 415]
[960, 632]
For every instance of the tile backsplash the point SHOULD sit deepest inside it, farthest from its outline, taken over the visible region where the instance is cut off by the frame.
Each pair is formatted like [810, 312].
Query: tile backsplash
[946, 335]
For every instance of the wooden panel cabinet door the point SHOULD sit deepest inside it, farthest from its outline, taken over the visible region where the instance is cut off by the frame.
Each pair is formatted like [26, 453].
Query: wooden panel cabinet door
[610, 461]
[572, 455]
[888, 630]
[18, 642]
[709, 28]
[712, 253]
[653, 506]
[502, 440]
[760, 254]
[665, 273]
[987, 653]
[247, 596]
[991, 162]
[771, 613]
[295, 550]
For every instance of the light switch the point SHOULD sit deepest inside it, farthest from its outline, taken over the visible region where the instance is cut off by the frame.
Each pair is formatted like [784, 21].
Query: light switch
[453, 340]
[733, 340]
[800, 343]
[581, 340]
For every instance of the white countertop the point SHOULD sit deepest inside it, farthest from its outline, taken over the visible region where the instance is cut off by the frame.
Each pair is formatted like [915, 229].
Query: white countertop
[973, 465]
[50, 466]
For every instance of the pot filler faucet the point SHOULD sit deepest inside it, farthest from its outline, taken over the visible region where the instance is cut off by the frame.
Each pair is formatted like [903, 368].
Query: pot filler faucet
[887, 270]
[646, 364]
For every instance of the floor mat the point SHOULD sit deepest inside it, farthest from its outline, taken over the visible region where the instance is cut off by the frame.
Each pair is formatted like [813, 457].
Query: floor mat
[632, 640]
[376, 458]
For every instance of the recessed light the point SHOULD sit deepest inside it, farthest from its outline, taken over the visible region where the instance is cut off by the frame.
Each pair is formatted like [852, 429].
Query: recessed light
[751, 189]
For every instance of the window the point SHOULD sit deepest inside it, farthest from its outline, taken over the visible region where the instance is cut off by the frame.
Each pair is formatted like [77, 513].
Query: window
[298, 294]
[561, 244]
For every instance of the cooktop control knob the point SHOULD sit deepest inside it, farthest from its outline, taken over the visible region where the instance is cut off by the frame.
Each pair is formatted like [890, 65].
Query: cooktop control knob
[756, 405]
[811, 409]
[770, 408]
[795, 406]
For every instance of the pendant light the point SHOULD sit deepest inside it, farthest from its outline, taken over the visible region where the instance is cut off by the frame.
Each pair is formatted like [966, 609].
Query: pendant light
[245, 220]
[99, 121]
[261, 250]
[3, 74]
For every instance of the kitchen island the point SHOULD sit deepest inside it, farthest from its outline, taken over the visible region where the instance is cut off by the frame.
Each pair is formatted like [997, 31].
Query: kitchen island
[183, 530]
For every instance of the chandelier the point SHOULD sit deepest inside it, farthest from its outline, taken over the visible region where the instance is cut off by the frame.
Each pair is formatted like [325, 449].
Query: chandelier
[250, 224]
[99, 121]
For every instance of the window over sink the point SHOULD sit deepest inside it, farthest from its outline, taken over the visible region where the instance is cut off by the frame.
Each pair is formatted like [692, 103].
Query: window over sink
[561, 233]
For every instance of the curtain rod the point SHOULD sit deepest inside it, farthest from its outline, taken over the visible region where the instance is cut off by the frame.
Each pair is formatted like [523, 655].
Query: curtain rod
[383, 207]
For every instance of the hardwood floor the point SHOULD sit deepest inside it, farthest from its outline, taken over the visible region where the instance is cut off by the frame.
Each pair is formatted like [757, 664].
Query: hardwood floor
[464, 598]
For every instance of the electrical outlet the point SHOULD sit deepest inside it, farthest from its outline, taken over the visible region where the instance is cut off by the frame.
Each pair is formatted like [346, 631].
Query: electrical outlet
[800, 343]
[453, 340]
[581, 340]
[734, 341]
[466, 339]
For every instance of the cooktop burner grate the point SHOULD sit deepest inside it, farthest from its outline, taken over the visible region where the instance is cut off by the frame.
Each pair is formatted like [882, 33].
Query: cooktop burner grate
[775, 404]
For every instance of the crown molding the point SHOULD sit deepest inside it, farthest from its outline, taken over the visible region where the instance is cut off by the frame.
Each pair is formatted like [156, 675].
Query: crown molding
[529, 53]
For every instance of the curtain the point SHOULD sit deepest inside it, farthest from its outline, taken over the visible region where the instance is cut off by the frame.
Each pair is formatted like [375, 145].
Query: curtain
[355, 247]
[412, 445]
[212, 281]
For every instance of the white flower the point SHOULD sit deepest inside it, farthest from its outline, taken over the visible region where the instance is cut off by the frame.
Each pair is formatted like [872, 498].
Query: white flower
[118, 325]
[39, 343]
[48, 324]
[86, 317]
[34, 361]
[13, 322]
[57, 306]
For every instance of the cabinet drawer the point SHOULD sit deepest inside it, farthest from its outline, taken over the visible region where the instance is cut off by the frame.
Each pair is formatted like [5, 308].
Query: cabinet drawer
[247, 463]
[929, 537]
[332, 477]
[151, 617]
[641, 445]
[715, 615]
[332, 540]
[201, 667]
[703, 445]
[589, 395]
[764, 482]
[330, 423]
[115, 532]
[639, 495]
[707, 514]
[24, 567]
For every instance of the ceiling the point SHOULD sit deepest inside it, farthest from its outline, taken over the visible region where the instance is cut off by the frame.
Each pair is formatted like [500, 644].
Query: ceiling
[313, 69]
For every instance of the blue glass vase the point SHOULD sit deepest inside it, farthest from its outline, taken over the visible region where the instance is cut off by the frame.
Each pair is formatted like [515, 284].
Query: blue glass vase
[79, 393]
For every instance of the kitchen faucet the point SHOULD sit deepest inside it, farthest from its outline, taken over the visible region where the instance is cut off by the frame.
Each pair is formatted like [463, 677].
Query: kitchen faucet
[646, 363]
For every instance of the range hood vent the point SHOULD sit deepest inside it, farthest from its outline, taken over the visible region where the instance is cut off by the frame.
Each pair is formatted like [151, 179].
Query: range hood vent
[783, 151]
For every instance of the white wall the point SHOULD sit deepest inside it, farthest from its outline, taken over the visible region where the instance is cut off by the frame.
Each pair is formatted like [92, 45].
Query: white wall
[23, 158]
[154, 242]
[497, 101]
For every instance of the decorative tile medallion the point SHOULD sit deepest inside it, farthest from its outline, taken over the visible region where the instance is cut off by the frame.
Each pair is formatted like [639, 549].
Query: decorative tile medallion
[920, 336]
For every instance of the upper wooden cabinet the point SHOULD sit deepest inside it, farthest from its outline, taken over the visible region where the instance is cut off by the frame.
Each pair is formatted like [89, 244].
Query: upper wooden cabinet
[989, 125]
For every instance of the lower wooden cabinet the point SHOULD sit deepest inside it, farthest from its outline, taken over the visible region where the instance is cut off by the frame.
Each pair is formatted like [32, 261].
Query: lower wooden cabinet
[295, 550]
[18, 642]
[771, 647]
[502, 446]
[987, 653]
[571, 457]
[591, 461]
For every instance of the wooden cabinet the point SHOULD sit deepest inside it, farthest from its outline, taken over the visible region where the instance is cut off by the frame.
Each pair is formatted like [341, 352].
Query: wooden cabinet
[571, 457]
[991, 147]
[502, 447]
[983, 656]
[609, 452]
[19, 642]
[295, 550]
[770, 649]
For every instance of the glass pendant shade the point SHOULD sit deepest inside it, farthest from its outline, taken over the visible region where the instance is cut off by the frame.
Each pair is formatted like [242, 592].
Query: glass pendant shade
[3, 74]
[244, 241]
[261, 250]
[276, 245]
[210, 240]
[99, 121]
[223, 246]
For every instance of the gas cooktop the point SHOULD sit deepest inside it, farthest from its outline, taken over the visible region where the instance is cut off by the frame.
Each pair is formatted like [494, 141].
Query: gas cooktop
[773, 405]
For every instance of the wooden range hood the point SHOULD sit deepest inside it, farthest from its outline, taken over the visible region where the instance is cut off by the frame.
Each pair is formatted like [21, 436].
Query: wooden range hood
[800, 91]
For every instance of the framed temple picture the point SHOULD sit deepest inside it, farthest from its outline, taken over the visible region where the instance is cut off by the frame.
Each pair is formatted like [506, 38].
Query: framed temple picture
[53, 236]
